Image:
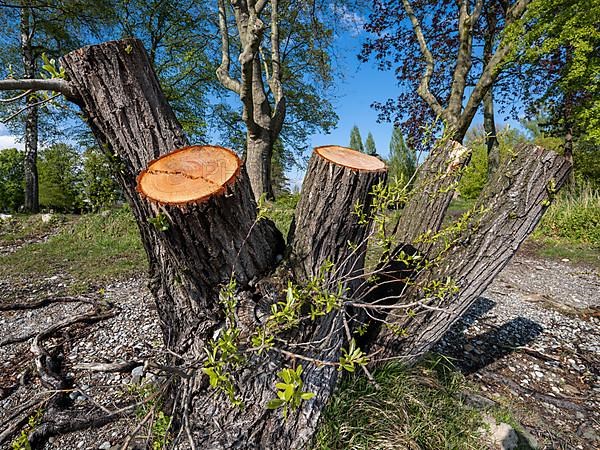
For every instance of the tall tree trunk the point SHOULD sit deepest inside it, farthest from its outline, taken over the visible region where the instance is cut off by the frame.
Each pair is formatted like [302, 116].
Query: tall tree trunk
[491, 140]
[259, 153]
[31, 115]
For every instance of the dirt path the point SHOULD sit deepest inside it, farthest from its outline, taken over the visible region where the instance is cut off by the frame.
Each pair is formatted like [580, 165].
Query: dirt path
[532, 342]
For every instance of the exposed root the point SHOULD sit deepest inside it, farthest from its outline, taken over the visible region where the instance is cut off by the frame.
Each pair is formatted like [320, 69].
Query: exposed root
[43, 302]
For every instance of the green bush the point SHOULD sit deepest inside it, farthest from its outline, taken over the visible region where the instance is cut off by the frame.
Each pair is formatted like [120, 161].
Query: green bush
[12, 179]
[100, 189]
[573, 217]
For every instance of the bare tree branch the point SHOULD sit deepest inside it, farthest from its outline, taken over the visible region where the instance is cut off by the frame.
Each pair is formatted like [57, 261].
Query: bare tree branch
[54, 84]
[223, 70]
[491, 70]
[424, 90]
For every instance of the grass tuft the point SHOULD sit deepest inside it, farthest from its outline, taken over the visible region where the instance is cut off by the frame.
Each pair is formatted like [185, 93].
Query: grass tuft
[415, 408]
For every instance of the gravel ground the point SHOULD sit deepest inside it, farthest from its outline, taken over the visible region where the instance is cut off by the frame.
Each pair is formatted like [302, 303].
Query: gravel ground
[532, 342]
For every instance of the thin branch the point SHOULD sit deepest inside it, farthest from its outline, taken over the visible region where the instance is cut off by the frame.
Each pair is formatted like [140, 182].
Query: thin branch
[29, 106]
[14, 99]
[54, 84]
[424, 90]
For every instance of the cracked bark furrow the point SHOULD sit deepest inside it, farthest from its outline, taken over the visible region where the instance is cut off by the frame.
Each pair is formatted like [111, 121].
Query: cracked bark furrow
[509, 209]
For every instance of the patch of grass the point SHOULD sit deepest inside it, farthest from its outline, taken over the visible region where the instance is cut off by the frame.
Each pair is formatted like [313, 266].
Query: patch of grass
[570, 228]
[573, 218]
[281, 211]
[414, 408]
[93, 250]
[26, 226]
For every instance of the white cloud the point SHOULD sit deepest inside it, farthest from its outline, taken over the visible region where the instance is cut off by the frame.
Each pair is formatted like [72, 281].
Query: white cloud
[349, 19]
[9, 142]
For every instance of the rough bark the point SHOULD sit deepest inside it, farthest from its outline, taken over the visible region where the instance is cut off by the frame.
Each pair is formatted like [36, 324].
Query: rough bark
[31, 115]
[431, 195]
[506, 213]
[325, 224]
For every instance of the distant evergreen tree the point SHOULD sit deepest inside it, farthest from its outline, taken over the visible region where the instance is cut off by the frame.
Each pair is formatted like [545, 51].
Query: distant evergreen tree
[403, 160]
[356, 140]
[370, 145]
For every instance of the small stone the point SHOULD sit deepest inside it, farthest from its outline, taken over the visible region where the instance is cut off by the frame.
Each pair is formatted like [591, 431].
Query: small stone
[104, 446]
[137, 373]
[512, 369]
[539, 374]
[469, 348]
[565, 260]
[46, 218]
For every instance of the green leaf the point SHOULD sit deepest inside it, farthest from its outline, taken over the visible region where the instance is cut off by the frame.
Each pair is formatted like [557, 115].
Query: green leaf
[307, 395]
[275, 403]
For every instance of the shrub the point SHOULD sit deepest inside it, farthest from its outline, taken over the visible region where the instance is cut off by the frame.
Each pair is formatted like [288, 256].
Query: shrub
[100, 189]
[59, 178]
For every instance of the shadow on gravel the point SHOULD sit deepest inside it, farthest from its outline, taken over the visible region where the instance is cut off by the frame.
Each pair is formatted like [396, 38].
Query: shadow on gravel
[471, 354]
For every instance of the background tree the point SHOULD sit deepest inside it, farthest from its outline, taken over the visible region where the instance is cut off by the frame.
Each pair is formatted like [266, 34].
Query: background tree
[356, 142]
[60, 181]
[561, 51]
[403, 159]
[98, 183]
[34, 28]
[12, 178]
[370, 148]
[284, 67]
[431, 86]
[181, 45]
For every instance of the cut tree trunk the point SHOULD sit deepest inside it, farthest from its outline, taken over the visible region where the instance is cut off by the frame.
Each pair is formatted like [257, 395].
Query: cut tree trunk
[506, 213]
[326, 225]
[431, 195]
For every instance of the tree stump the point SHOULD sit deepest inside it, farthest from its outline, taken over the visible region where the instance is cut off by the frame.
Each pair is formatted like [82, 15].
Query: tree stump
[200, 227]
[325, 226]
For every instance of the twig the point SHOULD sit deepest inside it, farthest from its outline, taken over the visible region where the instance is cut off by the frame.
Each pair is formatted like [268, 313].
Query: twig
[25, 108]
[41, 303]
[14, 99]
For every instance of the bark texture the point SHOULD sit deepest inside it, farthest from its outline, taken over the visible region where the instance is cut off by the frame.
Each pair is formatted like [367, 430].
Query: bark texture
[506, 213]
[202, 244]
[325, 224]
[432, 193]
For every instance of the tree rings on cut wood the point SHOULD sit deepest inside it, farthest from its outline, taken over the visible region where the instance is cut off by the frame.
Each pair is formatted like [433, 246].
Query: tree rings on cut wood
[351, 159]
[189, 175]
